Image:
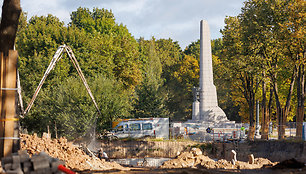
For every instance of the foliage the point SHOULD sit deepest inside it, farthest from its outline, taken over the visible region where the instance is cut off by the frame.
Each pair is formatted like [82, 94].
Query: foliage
[69, 109]
[150, 101]
[154, 78]
[112, 56]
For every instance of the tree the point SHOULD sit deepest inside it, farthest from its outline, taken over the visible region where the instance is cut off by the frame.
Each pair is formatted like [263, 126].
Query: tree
[150, 101]
[267, 40]
[68, 109]
[109, 60]
[292, 36]
[222, 82]
[9, 23]
[112, 41]
[265, 19]
[242, 67]
[185, 77]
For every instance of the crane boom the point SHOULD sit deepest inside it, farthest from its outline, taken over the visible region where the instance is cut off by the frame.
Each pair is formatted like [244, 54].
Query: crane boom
[57, 56]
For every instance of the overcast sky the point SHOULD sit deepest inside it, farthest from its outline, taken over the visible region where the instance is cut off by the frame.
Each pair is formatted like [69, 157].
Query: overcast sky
[176, 19]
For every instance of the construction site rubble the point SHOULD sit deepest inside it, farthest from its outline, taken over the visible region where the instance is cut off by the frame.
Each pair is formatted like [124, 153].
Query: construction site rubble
[74, 158]
[195, 159]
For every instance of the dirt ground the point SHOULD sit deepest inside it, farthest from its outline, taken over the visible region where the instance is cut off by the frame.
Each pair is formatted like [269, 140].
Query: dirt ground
[194, 162]
[74, 157]
[201, 171]
[191, 161]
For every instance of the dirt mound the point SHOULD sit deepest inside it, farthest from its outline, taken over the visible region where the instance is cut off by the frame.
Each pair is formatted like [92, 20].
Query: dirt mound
[74, 157]
[192, 158]
[195, 159]
[289, 164]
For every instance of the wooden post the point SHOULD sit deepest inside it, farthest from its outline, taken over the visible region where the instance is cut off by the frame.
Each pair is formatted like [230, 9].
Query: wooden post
[8, 102]
[1, 94]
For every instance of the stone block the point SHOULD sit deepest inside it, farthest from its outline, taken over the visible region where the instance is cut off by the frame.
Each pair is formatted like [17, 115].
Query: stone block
[42, 164]
[16, 171]
[251, 159]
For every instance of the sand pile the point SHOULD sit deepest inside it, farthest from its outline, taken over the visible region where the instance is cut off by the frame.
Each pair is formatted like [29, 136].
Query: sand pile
[195, 159]
[74, 157]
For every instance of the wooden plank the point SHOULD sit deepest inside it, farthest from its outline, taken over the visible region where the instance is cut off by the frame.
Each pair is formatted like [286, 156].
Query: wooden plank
[2, 116]
[9, 105]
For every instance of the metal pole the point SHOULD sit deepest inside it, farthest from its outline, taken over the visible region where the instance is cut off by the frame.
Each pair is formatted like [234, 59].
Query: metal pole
[257, 118]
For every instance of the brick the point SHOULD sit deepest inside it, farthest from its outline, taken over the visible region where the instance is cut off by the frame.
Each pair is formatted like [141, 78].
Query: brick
[7, 166]
[42, 164]
[16, 171]
[6, 160]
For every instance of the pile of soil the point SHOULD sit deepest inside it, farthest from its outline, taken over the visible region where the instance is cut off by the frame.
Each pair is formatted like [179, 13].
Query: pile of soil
[195, 159]
[290, 163]
[74, 157]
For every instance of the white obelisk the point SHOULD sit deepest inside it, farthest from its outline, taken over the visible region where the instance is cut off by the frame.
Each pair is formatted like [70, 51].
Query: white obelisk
[209, 111]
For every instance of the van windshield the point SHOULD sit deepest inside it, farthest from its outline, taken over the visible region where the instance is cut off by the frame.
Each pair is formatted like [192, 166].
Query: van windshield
[119, 128]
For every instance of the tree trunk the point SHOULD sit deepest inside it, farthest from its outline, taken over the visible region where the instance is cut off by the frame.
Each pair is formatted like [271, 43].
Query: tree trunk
[265, 115]
[9, 22]
[249, 89]
[300, 103]
[278, 107]
[251, 133]
[282, 113]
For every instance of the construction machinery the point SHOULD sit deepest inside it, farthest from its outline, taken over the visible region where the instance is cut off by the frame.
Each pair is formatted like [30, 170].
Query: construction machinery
[57, 56]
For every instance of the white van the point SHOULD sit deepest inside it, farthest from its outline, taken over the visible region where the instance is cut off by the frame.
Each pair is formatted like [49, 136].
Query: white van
[142, 127]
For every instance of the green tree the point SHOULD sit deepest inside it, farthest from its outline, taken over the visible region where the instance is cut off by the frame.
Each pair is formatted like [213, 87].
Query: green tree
[112, 40]
[112, 55]
[222, 83]
[68, 108]
[241, 67]
[150, 101]
[292, 38]
[185, 77]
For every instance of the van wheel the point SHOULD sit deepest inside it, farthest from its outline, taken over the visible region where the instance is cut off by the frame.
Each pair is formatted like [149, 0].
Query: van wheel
[147, 136]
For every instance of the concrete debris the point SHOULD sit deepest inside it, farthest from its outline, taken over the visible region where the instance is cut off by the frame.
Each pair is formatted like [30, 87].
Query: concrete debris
[74, 158]
[196, 151]
[251, 159]
[21, 163]
[233, 157]
[191, 160]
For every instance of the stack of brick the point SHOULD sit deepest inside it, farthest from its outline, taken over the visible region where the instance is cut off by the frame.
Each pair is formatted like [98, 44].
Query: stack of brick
[21, 163]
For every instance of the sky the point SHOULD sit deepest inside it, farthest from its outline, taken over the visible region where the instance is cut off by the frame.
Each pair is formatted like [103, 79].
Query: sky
[175, 19]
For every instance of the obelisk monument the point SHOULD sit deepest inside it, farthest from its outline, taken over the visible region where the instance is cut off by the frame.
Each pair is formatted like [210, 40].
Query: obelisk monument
[205, 106]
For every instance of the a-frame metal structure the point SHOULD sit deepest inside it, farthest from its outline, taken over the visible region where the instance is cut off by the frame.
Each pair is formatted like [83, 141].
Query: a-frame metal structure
[57, 56]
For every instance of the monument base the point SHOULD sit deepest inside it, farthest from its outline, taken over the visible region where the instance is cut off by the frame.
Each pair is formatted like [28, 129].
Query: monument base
[198, 129]
[213, 114]
[205, 124]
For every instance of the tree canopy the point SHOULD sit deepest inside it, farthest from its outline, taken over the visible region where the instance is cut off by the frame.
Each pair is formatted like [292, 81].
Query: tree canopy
[261, 49]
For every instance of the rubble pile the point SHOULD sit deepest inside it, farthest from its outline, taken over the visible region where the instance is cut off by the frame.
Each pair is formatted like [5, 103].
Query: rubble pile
[74, 157]
[21, 163]
[195, 159]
